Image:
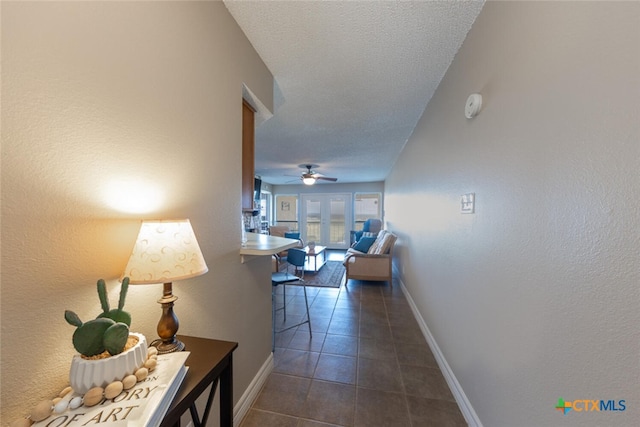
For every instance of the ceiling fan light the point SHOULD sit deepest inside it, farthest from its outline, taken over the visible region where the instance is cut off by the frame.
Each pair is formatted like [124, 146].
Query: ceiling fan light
[309, 180]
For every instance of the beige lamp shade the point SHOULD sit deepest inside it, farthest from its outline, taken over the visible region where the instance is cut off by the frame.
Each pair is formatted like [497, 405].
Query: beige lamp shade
[165, 251]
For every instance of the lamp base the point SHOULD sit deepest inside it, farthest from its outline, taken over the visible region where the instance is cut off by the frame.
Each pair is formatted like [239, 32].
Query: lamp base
[168, 324]
[168, 347]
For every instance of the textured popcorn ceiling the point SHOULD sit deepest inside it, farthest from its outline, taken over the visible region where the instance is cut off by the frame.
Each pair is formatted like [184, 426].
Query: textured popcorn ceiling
[352, 79]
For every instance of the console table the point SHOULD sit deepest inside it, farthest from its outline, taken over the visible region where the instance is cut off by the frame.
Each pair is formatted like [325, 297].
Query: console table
[210, 363]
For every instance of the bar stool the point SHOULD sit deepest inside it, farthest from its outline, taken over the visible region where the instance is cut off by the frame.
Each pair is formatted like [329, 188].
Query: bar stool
[296, 258]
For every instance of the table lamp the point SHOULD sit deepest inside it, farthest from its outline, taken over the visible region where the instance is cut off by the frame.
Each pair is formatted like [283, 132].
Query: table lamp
[165, 251]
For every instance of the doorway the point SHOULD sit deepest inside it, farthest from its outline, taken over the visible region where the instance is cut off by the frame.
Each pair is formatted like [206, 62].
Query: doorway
[326, 219]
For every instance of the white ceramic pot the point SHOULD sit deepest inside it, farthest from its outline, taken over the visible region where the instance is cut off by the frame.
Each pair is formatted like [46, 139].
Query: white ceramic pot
[86, 374]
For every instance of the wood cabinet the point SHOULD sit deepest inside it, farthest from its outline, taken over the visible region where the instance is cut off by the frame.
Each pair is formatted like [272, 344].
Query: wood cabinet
[248, 156]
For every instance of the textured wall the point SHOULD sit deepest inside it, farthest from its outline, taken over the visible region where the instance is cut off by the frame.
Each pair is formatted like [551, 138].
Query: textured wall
[535, 296]
[106, 105]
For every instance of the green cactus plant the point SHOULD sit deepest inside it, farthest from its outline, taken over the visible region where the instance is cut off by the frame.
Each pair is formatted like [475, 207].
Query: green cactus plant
[117, 314]
[109, 331]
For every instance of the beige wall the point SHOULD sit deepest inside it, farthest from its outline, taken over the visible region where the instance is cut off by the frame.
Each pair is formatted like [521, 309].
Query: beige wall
[535, 296]
[102, 94]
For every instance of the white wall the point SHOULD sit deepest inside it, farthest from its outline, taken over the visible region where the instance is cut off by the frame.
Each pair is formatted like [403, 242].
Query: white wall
[103, 93]
[535, 296]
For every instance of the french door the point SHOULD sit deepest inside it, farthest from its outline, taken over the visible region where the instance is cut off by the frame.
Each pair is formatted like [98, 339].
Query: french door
[326, 219]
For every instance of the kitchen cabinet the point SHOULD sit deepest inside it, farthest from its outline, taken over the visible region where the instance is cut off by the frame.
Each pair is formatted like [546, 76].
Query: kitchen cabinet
[248, 156]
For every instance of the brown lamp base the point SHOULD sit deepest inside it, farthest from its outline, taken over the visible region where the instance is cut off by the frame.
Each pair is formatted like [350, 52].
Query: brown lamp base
[168, 324]
[168, 347]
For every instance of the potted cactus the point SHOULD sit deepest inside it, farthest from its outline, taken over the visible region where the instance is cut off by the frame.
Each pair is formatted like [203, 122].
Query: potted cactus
[107, 350]
[109, 331]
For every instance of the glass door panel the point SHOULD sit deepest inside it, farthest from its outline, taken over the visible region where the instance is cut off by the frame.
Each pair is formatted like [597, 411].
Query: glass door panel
[337, 218]
[313, 220]
[325, 219]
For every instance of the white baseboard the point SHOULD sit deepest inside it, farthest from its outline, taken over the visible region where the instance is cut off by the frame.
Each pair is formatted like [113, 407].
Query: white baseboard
[456, 389]
[250, 394]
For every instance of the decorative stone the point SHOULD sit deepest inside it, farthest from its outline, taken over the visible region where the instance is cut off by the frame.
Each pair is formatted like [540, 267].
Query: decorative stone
[65, 391]
[151, 364]
[42, 410]
[142, 373]
[76, 402]
[93, 396]
[61, 406]
[129, 381]
[113, 389]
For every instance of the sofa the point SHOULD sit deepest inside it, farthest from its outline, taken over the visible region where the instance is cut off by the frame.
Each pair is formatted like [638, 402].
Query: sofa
[371, 259]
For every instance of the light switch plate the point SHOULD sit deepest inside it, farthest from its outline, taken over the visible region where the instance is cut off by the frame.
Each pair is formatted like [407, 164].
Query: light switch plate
[468, 203]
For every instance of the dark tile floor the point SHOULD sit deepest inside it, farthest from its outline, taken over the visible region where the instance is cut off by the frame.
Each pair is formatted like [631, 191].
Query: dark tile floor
[366, 365]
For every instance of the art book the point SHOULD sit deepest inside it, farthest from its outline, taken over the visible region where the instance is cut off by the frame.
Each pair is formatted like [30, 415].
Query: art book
[144, 405]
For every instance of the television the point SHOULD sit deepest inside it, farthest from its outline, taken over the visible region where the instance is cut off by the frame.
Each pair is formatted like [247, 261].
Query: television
[257, 186]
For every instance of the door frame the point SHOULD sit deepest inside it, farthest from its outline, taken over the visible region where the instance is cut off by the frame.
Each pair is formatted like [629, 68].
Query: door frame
[325, 231]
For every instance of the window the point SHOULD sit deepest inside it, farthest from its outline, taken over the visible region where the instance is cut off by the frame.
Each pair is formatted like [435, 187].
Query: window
[265, 210]
[286, 210]
[365, 206]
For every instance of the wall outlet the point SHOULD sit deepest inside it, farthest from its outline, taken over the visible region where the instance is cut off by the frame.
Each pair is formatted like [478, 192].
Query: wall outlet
[468, 203]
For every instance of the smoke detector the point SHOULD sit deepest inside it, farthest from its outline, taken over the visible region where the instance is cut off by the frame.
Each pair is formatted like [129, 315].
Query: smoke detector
[473, 105]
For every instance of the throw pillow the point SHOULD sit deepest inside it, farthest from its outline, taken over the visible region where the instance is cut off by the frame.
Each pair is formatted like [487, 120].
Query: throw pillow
[386, 244]
[369, 234]
[373, 249]
[292, 235]
[364, 244]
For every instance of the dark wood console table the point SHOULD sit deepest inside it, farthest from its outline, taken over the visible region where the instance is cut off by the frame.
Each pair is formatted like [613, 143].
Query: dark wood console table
[210, 363]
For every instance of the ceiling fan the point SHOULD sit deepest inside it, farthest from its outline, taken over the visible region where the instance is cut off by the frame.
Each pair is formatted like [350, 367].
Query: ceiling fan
[310, 177]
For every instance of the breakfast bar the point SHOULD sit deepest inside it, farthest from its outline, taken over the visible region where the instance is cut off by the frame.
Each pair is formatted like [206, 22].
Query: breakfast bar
[264, 245]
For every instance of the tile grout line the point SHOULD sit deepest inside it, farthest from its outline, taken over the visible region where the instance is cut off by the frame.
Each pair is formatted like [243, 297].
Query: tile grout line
[395, 350]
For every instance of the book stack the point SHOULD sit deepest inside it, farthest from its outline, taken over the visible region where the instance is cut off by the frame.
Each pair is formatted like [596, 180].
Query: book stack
[144, 405]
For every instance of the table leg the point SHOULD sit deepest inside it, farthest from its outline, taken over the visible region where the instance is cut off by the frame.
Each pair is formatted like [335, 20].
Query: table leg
[226, 395]
[207, 409]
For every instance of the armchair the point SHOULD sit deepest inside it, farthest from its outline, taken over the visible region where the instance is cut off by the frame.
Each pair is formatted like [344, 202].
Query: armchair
[372, 225]
[376, 264]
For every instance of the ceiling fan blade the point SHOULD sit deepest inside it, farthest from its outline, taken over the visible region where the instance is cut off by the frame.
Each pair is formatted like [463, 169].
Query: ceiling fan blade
[312, 176]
